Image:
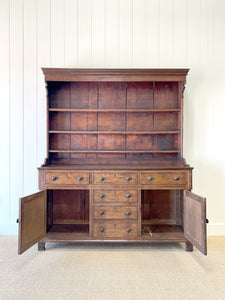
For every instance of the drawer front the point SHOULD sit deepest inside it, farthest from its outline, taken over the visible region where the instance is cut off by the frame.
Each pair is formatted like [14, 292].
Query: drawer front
[56, 178]
[115, 229]
[115, 212]
[164, 178]
[107, 196]
[115, 178]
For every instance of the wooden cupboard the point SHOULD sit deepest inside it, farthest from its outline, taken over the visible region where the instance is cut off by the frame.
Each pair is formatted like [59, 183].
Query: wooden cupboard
[114, 170]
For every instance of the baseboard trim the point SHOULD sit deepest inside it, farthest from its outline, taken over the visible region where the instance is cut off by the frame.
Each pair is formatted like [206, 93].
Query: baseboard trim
[212, 229]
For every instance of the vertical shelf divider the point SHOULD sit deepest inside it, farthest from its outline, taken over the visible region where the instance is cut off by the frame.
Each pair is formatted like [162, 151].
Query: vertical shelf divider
[97, 117]
[153, 117]
[126, 121]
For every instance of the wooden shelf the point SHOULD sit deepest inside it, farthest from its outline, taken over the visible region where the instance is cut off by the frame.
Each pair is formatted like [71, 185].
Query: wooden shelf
[70, 221]
[128, 110]
[113, 132]
[114, 151]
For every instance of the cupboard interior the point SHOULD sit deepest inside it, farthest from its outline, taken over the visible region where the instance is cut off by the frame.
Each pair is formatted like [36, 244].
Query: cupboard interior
[161, 213]
[113, 121]
[68, 211]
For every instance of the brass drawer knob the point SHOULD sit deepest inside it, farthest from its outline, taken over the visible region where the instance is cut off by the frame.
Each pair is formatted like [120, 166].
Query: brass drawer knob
[128, 213]
[128, 178]
[150, 178]
[53, 178]
[101, 229]
[176, 178]
[128, 229]
[101, 195]
[128, 195]
[101, 178]
[101, 212]
[79, 178]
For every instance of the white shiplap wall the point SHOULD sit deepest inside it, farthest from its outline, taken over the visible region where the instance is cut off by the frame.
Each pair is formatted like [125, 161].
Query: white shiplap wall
[110, 34]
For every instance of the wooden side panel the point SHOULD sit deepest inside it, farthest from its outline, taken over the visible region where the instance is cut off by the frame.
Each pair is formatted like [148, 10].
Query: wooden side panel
[32, 220]
[166, 121]
[139, 142]
[139, 122]
[59, 121]
[166, 142]
[83, 121]
[109, 142]
[84, 95]
[70, 206]
[166, 95]
[159, 206]
[59, 94]
[112, 95]
[111, 121]
[140, 95]
[195, 220]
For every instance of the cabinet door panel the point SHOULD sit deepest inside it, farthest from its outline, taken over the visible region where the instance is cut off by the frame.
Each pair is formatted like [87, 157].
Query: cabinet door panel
[195, 220]
[32, 220]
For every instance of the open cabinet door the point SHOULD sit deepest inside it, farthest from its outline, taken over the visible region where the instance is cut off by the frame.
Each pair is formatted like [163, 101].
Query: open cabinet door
[195, 220]
[32, 220]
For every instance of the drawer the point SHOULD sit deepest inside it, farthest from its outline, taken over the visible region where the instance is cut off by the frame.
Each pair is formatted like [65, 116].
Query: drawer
[115, 178]
[164, 178]
[54, 178]
[107, 196]
[115, 212]
[115, 229]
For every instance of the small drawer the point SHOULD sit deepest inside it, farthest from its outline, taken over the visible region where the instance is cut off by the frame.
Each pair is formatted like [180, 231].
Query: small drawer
[66, 178]
[115, 229]
[106, 196]
[115, 178]
[164, 178]
[115, 212]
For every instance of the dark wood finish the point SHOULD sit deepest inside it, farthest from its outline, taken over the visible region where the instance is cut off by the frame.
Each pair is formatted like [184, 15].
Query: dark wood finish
[161, 230]
[70, 206]
[195, 220]
[136, 118]
[41, 246]
[160, 207]
[32, 220]
[188, 246]
[60, 74]
[114, 212]
[123, 178]
[61, 178]
[179, 179]
[115, 169]
[115, 229]
[101, 196]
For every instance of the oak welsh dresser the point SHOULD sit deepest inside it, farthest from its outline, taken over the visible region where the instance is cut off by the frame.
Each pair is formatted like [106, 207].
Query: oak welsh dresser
[114, 170]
